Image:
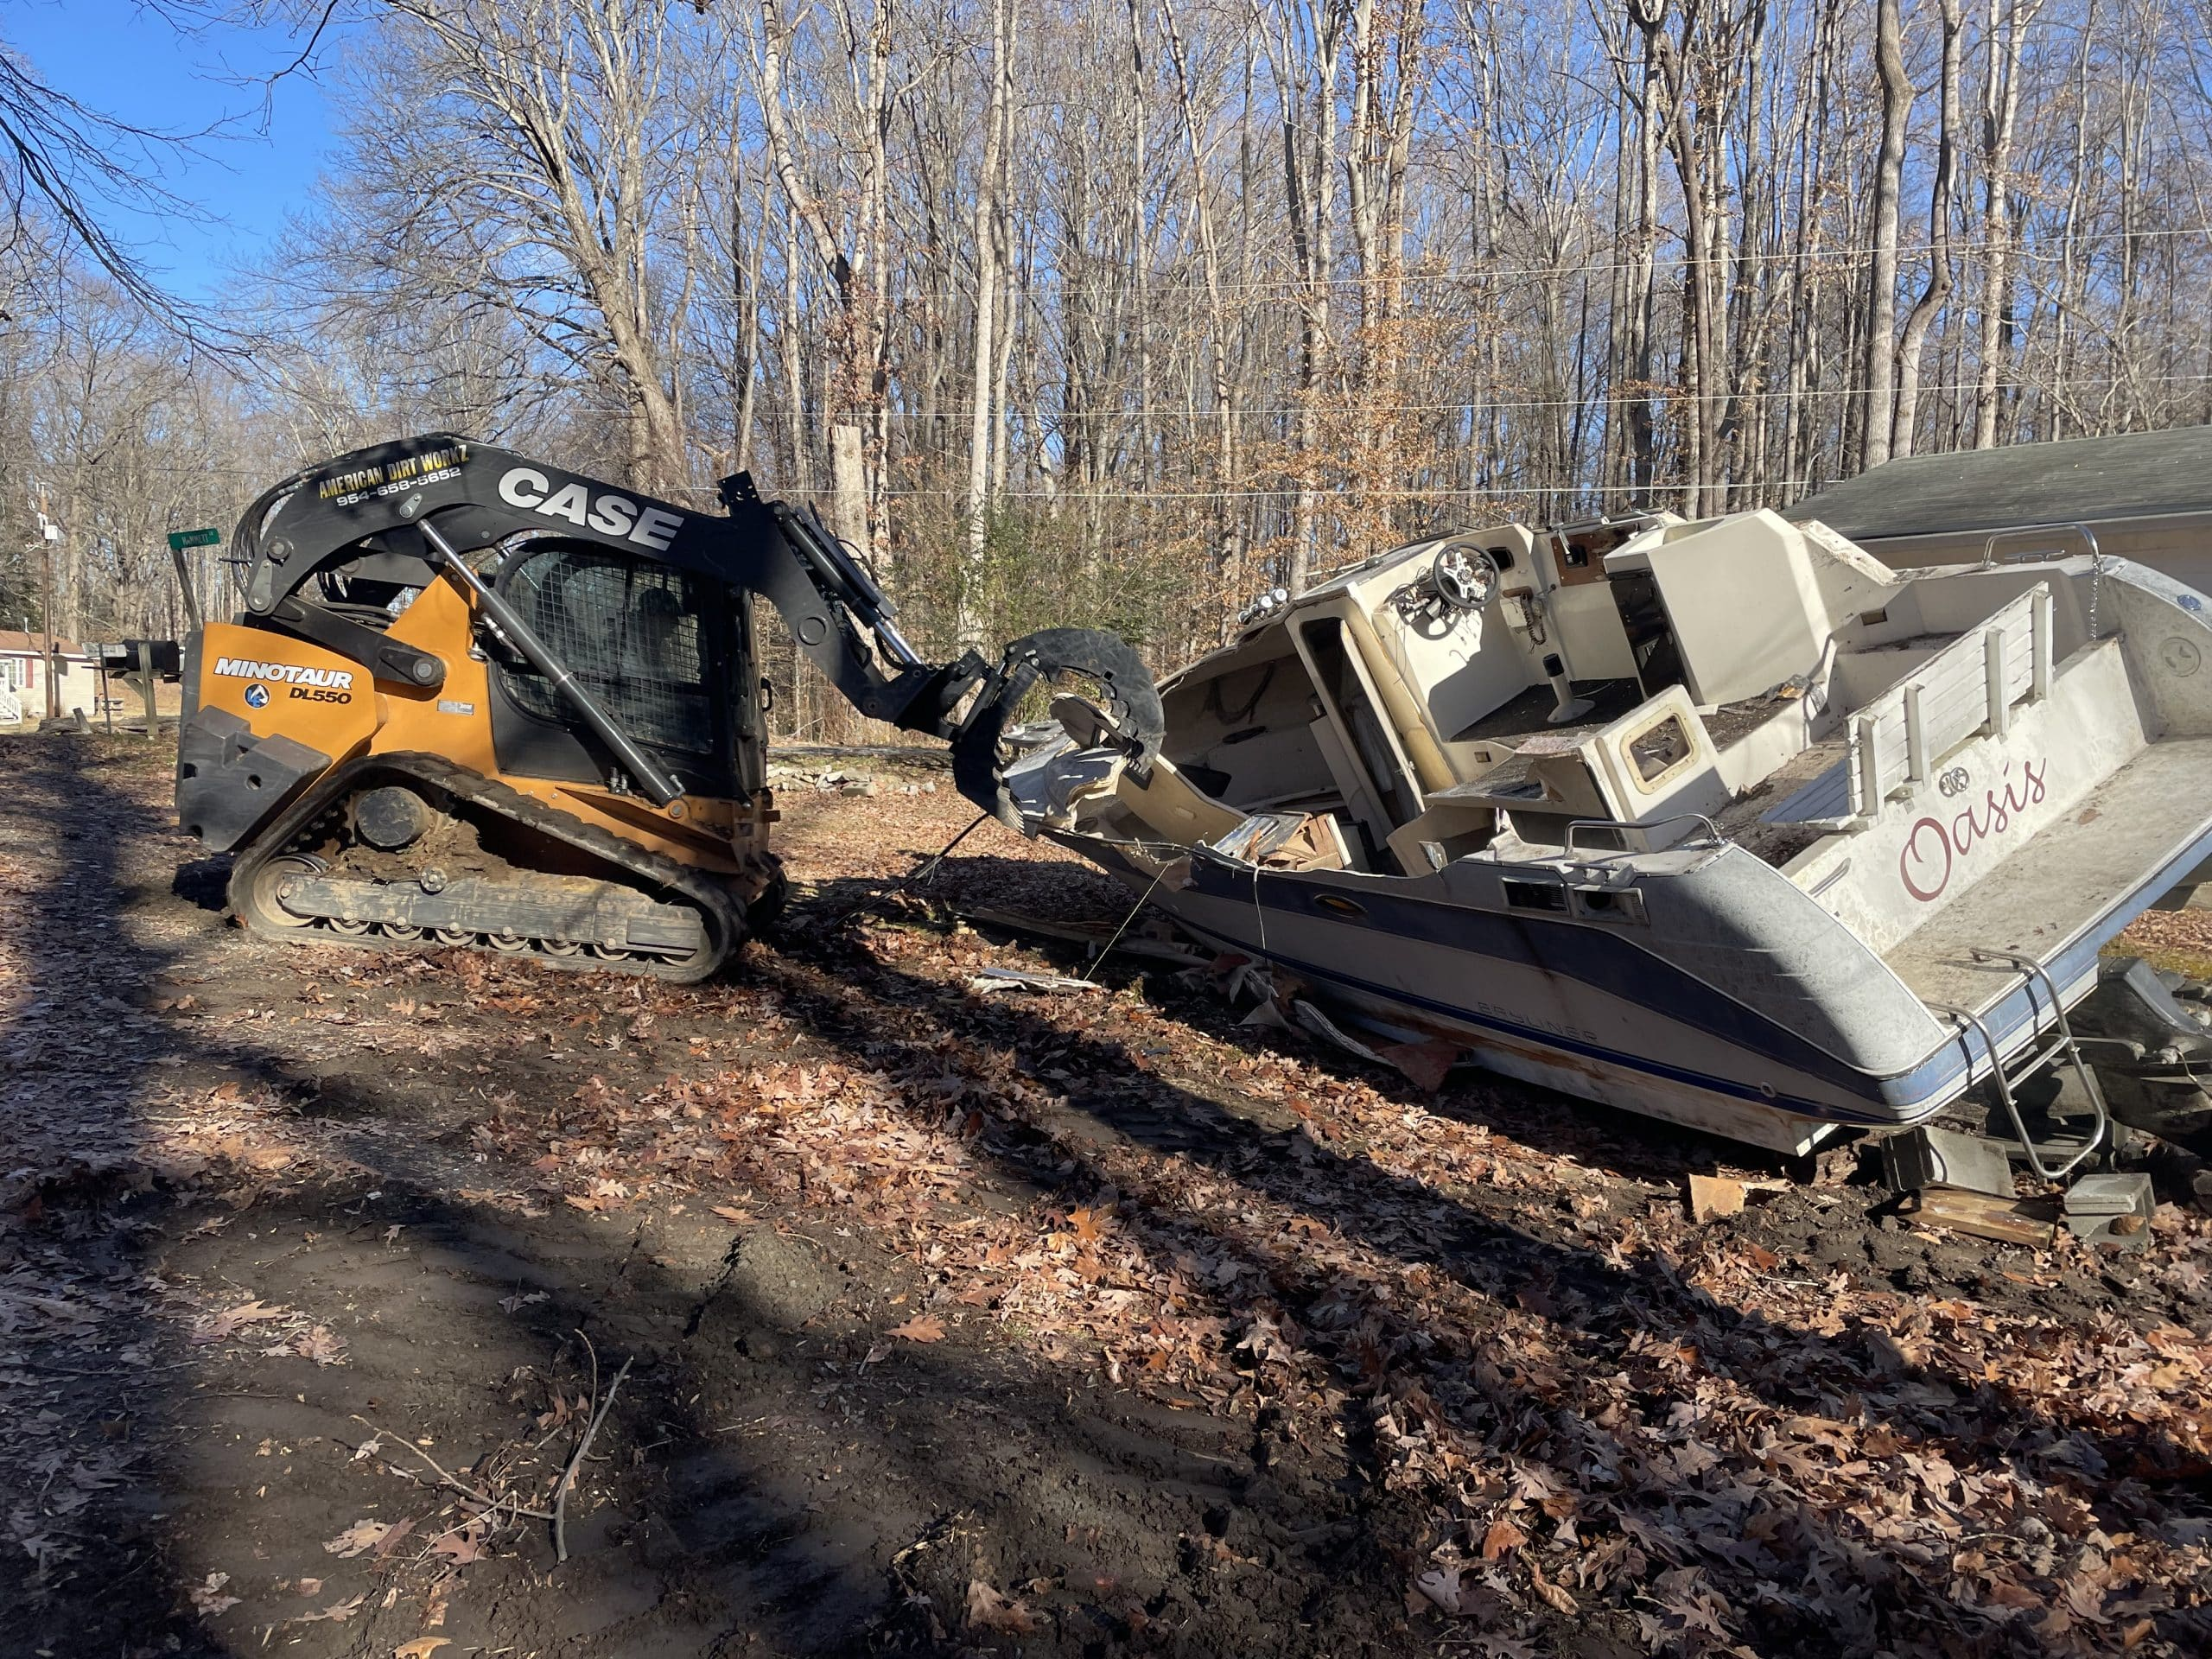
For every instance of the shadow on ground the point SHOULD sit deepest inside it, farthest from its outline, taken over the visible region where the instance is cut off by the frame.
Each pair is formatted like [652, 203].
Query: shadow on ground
[778, 1478]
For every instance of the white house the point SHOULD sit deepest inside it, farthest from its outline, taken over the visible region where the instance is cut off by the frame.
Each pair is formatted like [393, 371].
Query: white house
[25, 666]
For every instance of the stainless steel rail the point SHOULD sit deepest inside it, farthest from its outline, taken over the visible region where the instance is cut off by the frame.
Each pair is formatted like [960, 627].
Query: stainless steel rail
[1713, 835]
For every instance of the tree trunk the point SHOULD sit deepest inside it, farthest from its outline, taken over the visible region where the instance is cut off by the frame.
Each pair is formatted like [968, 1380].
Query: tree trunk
[2071, 266]
[1229, 552]
[2007, 30]
[861, 384]
[989, 249]
[1922, 315]
[1882, 272]
[1700, 359]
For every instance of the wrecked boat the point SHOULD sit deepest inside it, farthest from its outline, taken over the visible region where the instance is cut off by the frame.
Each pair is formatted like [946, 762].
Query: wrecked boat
[1722, 822]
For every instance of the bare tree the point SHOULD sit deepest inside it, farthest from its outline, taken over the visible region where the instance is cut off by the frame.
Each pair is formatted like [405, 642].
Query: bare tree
[1881, 323]
[1922, 317]
[529, 181]
[66, 169]
[1228, 543]
[1142, 305]
[990, 258]
[852, 249]
[2005, 41]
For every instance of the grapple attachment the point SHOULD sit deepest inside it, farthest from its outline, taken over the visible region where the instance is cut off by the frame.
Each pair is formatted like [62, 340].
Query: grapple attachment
[1087, 678]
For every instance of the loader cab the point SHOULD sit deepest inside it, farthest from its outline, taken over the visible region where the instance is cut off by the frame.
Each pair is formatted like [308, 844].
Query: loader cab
[668, 654]
[654, 644]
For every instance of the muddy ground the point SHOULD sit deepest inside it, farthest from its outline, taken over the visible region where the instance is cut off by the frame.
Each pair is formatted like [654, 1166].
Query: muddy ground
[914, 1318]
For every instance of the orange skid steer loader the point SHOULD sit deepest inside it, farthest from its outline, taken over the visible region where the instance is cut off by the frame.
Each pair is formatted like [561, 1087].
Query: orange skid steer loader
[474, 699]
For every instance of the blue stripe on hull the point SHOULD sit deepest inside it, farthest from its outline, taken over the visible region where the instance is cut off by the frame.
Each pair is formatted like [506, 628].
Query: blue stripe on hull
[1728, 1087]
[1822, 1111]
[1602, 959]
[1618, 969]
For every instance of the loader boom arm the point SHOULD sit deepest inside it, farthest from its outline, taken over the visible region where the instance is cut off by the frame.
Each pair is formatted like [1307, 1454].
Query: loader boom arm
[437, 500]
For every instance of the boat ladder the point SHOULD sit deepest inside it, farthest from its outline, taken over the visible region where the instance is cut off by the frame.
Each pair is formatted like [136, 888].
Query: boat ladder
[2061, 1044]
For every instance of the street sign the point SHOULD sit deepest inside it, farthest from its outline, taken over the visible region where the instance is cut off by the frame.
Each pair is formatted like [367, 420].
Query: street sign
[180, 539]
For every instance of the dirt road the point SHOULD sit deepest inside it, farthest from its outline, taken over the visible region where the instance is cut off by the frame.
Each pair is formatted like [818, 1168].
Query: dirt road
[1092, 1323]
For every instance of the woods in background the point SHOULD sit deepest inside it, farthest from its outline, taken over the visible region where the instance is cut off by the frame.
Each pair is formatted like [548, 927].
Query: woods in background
[1079, 312]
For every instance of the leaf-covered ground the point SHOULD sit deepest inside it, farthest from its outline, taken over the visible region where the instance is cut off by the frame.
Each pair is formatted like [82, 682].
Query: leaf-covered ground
[1091, 1322]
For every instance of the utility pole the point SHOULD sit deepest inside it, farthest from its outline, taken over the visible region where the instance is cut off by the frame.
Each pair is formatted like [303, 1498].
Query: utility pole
[48, 533]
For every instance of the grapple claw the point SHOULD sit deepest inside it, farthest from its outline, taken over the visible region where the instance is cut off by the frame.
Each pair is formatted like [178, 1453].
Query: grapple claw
[1110, 696]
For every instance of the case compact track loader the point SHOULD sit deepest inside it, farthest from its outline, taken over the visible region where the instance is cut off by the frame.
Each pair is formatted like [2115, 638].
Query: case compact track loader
[475, 700]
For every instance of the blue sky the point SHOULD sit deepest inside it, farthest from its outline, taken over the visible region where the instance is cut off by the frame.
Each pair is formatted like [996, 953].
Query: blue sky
[122, 59]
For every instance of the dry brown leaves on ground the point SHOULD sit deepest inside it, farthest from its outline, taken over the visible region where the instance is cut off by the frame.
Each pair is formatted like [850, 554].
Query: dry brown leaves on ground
[1607, 1407]
[1708, 1442]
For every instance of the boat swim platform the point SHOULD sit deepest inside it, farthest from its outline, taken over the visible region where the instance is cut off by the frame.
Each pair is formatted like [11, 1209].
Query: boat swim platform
[2073, 885]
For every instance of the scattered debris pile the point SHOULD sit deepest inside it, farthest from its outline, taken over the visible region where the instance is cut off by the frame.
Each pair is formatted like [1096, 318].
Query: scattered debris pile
[903, 777]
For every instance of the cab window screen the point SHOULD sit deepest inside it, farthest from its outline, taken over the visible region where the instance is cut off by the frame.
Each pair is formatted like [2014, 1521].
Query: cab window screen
[632, 633]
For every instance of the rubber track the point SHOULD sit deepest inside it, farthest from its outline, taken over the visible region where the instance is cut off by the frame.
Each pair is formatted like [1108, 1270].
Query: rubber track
[296, 826]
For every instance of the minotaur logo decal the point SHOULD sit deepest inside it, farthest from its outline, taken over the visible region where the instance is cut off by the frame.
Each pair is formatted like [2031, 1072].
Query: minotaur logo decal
[238, 667]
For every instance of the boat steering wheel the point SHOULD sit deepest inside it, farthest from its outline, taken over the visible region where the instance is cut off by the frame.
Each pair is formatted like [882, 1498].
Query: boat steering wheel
[1462, 576]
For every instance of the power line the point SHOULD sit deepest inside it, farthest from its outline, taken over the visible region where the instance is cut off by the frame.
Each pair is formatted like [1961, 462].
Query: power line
[1145, 494]
[2040, 249]
[1660, 395]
